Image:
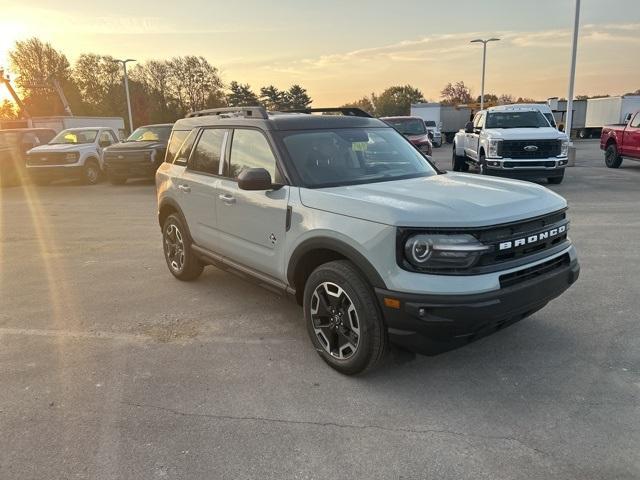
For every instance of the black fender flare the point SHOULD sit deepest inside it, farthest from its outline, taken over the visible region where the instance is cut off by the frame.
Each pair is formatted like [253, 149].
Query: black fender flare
[347, 251]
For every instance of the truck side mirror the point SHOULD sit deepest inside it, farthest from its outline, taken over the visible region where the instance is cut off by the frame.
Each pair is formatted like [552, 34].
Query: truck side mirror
[468, 127]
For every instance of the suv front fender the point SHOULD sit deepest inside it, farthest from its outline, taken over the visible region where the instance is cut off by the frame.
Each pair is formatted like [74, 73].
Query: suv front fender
[328, 244]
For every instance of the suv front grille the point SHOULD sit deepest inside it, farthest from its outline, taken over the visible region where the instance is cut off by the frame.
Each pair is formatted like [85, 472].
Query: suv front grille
[52, 158]
[115, 158]
[530, 273]
[529, 149]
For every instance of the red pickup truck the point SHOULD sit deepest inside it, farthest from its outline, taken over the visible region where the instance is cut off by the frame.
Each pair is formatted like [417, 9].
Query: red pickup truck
[621, 141]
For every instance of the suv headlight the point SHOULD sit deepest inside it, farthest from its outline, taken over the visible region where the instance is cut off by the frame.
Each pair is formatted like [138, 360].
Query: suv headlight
[493, 147]
[71, 157]
[564, 148]
[433, 251]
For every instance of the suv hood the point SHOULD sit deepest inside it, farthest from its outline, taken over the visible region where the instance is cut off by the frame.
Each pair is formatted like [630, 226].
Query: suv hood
[62, 148]
[126, 146]
[448, 200]
[543, 133]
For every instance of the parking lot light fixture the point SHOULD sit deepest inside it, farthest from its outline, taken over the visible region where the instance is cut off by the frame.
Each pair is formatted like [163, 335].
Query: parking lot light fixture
[126, 88]
[484, 62]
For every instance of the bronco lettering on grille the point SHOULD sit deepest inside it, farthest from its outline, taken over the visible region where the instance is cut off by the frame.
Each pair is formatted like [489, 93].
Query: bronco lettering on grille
[520, 242]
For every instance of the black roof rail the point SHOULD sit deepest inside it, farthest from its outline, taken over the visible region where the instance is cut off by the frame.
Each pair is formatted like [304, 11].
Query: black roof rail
[348, 111]
[246, 112]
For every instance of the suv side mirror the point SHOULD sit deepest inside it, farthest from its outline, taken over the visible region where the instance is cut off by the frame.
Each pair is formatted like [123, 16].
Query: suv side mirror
[255, 179]
[468, 127]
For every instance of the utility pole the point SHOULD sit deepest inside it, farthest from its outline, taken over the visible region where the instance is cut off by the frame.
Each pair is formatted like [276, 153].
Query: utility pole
[484, 63]
[572, 71]
[126, 89]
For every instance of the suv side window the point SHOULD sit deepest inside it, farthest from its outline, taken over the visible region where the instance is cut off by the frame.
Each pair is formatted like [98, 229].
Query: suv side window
[175, 147]
[635, 123]
[208, 152]
[250, 149]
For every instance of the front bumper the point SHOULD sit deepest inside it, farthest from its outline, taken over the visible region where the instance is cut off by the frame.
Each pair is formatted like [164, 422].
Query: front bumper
[55, 171]
[526, 169]
[430, 324]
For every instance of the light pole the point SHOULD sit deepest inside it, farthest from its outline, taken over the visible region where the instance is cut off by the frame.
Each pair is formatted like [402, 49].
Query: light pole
[484, 63]
[126, 88]
[572, 70]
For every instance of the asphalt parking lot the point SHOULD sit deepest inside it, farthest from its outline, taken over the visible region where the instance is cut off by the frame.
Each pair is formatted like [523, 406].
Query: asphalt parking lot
[110, 368]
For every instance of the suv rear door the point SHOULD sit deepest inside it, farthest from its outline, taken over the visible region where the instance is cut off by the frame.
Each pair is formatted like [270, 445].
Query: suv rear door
[252, 224]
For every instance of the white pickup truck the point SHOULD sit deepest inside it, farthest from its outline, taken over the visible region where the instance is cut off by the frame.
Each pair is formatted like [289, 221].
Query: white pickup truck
[512, 141]
[73, 153]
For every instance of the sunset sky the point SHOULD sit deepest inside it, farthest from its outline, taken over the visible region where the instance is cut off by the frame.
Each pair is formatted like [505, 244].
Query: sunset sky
[341, 50]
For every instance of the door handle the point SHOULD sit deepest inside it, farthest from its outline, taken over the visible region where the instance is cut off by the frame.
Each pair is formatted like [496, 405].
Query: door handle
[185, 188]
[228, 199]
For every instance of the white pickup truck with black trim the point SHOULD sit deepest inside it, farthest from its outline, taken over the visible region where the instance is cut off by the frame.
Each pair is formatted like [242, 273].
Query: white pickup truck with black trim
[511, 141]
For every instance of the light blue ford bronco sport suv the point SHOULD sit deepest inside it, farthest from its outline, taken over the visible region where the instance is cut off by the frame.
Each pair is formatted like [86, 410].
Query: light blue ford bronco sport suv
[347, 216]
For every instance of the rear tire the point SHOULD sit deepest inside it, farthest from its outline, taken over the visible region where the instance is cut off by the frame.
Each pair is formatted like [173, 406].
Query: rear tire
[459, 163]
[611, 157]
[91, 172]
[182, 262]
[343, 319]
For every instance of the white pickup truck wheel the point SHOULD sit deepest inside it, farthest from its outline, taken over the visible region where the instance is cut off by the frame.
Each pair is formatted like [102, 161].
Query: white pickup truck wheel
[91, 172]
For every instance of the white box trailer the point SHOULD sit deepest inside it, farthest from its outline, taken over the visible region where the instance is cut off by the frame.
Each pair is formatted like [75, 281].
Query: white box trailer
[607, 111]
[59, 123]
[559, 109]
[449, 118]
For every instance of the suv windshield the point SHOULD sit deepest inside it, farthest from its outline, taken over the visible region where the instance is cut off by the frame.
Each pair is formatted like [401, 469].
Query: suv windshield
[407, 126]
[524, 119]
[72, 136]
[350, 156]
[150, 134]
[430, 123]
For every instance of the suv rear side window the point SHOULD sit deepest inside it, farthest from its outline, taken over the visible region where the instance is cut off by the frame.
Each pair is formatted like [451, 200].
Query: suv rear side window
[208, 152]
[178, 149]
[250, 149]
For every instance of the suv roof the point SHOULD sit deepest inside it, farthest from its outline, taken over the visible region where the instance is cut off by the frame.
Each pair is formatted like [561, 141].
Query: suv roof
[287, 120]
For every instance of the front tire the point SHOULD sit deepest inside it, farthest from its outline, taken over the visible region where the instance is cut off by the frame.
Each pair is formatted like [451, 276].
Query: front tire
[343, 320]
[182, 262]
[91, 172]
[482, 165]
[556, 180]
[611, 157]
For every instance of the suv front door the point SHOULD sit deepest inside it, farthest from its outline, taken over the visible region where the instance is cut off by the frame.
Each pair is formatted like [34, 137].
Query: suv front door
[252, 224]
